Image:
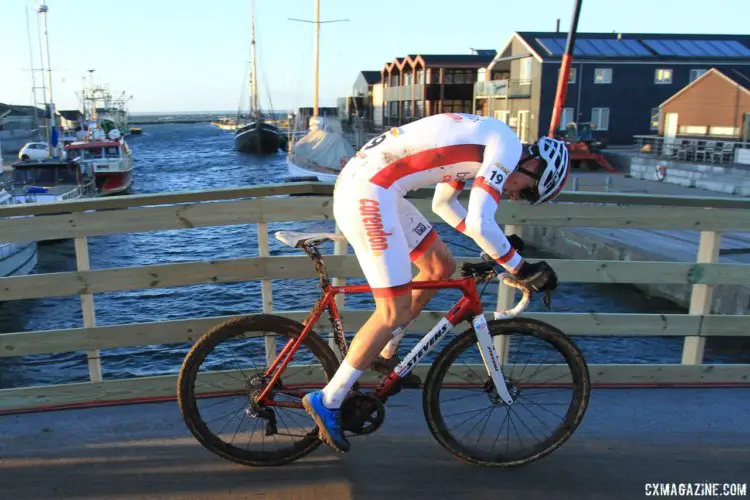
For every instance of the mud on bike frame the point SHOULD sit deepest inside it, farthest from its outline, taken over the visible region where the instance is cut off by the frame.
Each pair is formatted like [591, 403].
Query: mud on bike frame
[467, 308]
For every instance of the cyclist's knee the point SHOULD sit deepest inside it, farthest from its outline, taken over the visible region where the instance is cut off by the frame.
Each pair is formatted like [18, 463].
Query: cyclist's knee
[437, 263]
[394, 311]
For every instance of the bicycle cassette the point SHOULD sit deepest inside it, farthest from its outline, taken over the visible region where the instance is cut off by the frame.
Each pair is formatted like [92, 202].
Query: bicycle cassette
[362, 414]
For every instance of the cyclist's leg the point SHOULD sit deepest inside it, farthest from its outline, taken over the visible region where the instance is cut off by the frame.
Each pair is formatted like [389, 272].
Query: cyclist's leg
[368, 216]
[426, 251]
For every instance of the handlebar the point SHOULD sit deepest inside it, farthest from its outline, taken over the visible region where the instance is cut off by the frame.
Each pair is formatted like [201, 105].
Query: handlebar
[522, 304]
[518, 284]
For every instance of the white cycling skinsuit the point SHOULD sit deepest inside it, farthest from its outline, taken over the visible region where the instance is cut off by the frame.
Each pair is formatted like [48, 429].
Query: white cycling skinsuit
[387, 231]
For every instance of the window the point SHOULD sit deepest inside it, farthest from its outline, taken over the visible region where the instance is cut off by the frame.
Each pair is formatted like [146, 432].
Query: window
[693, 129]
[566, 117]
[456, 106]
[501, 115]
[458, 76]
[571, 76]
[730, 131]
[663, 76]
[524, 73]
[655, 116]
[419, 109]
[603, 75]
[600, 118]
[696, 73]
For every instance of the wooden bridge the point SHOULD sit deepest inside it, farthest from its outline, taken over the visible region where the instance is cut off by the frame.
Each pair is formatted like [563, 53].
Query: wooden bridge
[268, 204]
[261, 205]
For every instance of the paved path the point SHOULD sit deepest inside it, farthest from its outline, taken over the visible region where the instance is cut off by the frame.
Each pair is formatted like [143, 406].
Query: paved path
[628, 438]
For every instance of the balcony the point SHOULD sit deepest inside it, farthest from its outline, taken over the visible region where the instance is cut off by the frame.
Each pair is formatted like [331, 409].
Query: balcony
[403, 93]
[503, 88]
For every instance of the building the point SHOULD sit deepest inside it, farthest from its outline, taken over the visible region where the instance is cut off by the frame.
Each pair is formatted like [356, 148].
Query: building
[617, 80]
[716, 105]
[420, 85]
[362, 101]
[19, 125]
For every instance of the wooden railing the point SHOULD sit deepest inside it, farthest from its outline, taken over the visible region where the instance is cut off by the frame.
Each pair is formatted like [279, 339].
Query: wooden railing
[312, 202]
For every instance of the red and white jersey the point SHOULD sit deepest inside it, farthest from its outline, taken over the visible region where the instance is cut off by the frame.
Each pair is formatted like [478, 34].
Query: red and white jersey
[451, 147]
[445, 150]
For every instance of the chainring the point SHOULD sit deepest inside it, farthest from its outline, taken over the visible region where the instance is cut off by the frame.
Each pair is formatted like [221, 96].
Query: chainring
[362, 414]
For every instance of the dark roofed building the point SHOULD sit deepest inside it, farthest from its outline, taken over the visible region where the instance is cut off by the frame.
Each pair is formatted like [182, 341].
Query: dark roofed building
[420, 85]
[617, 80]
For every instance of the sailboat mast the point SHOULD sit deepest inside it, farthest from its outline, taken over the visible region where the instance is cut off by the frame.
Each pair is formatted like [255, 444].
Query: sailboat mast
[254, 81]
[43, 9]
[317, 57]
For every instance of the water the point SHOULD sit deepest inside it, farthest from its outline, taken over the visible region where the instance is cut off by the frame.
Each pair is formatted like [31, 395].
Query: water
[199, 156]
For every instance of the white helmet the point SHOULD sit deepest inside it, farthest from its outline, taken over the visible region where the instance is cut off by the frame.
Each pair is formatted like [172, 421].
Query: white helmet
[556, 166]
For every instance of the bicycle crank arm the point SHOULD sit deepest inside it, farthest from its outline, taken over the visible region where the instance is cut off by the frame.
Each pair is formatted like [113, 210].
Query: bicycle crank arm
[490, 358]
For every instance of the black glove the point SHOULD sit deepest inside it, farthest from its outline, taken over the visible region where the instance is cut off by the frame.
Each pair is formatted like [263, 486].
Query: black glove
[539, 276]
[516, 242]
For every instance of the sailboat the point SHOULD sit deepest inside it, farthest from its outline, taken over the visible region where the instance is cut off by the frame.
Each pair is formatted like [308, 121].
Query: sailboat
[322, 153]
[256, 136]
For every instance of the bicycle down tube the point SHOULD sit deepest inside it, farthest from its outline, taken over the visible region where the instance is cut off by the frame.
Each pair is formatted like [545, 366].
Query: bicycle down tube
[467, 306]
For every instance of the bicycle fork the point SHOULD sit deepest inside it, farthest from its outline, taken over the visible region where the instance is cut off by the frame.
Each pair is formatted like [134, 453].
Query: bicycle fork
[490, 357]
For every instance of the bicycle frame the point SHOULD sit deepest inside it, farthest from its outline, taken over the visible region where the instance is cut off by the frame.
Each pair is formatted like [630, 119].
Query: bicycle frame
[468, 307]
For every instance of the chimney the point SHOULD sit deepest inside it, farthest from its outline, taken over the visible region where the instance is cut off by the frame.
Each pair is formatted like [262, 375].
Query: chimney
[557, 26]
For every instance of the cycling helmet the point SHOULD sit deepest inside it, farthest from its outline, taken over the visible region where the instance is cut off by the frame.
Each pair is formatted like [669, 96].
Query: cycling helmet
[554, 154]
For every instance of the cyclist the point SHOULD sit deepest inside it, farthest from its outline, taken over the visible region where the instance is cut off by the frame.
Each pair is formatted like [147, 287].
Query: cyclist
[387, 232]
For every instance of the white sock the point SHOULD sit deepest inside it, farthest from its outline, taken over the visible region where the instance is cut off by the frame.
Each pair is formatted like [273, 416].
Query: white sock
[335, 392]
[391, 348]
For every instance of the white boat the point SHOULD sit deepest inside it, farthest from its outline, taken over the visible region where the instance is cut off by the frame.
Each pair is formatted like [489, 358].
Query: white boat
[323, 151]
[16, 259]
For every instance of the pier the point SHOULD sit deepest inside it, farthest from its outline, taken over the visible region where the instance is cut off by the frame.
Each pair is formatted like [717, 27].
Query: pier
[647, 422]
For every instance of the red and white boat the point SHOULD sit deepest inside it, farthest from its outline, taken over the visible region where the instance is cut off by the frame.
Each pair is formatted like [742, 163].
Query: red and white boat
[108, 157]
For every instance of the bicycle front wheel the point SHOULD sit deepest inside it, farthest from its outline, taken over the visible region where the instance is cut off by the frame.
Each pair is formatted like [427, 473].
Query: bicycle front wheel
[224, 373]
[546, 375]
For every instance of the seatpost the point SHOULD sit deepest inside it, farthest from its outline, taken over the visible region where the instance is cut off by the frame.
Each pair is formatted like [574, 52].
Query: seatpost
[320, 266]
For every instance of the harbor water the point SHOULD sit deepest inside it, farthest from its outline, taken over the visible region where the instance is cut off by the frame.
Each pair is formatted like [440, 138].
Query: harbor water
[188, 157]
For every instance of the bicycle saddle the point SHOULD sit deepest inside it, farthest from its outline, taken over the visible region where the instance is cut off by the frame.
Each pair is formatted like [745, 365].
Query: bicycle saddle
[296, 239]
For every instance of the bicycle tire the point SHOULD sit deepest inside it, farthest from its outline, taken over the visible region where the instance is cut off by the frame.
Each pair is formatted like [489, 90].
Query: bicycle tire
[260, 324]
[524, 326]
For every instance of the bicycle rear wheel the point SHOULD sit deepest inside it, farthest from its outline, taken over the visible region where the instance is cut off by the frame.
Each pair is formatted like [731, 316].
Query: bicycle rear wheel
[224, 371]
[547, 377]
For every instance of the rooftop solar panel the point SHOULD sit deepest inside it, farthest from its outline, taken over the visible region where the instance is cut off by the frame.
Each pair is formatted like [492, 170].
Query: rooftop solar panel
[636, 47]
[657, 46]
[619, 47]
[693, 48]
[721, 49]
[551, 46]
[737, 46]
[587, 48]
[676, 49]
[603, 47]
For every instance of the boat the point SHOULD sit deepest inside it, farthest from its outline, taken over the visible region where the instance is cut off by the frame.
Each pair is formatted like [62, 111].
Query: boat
[323, 151]
[257, 135]
[108, 157]
[225, 123]
[49, 180]
[16, 259]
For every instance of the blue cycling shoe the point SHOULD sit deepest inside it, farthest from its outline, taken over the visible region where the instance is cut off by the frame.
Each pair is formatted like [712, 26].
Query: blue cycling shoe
[328, 420]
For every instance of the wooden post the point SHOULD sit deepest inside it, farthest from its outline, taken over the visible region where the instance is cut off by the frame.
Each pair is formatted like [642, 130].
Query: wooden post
[266, 289]
[506, 298]
[339, 248]
[700, 299]
[87, 307]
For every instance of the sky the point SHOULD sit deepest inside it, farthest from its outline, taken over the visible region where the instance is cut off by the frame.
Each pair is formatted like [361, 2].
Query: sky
[193, 55]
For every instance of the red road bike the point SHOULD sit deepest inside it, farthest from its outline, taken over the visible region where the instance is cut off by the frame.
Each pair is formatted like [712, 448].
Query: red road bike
[234, 386]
